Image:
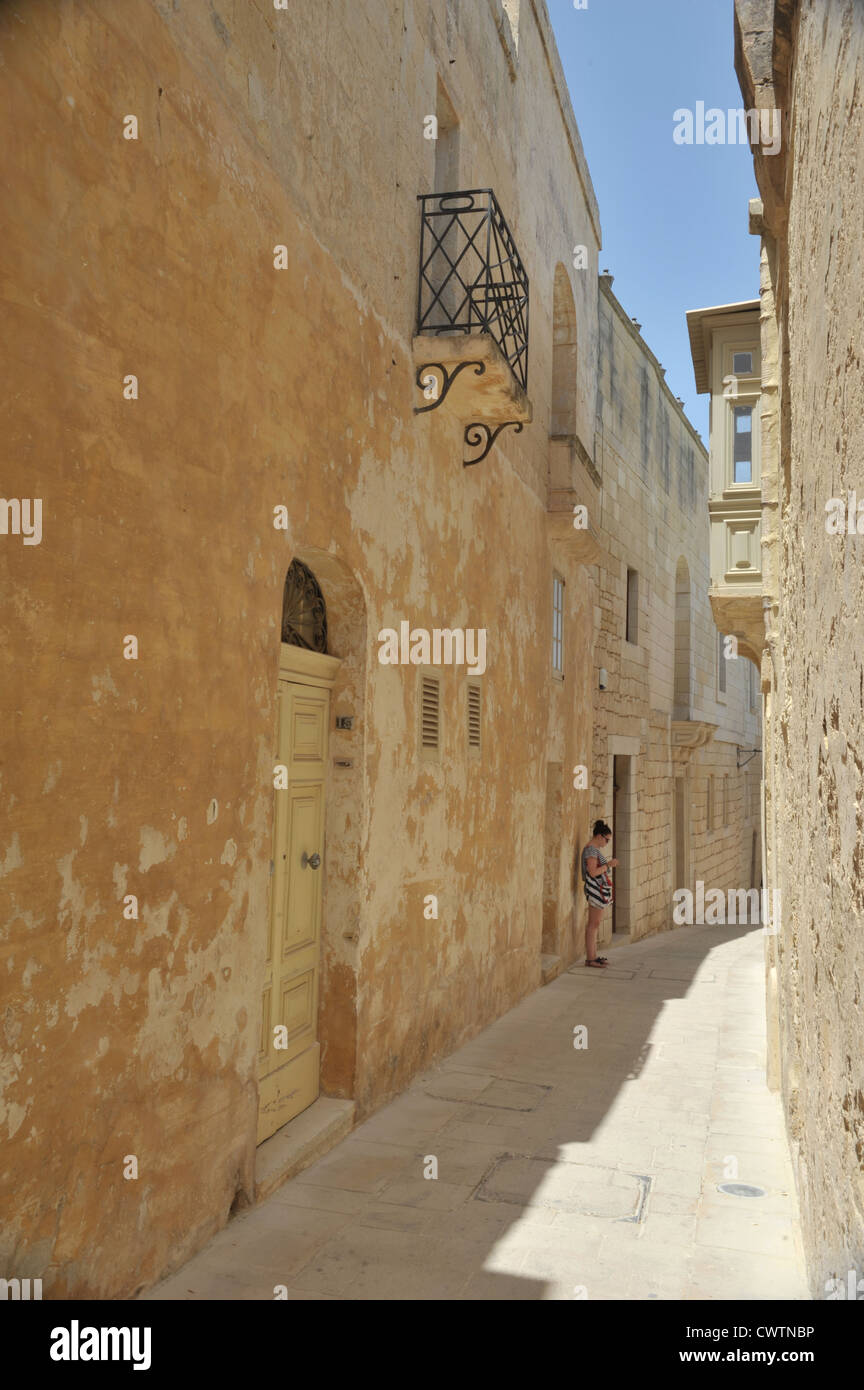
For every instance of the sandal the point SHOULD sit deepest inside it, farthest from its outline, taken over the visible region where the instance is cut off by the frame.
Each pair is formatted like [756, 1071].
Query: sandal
[604, 960]
[598, 962]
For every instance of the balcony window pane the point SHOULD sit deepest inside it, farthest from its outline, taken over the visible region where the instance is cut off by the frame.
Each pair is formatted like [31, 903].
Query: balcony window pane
[742, 363]
[742, 454]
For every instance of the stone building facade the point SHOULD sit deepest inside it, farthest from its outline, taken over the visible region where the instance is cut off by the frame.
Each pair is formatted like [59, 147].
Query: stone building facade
[211, 365]
[672, 709]
[806, 61]
[258, 868]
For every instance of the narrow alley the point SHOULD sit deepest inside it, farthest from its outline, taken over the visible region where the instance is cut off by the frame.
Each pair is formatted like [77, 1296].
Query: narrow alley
[432, 558]
[563, 1171]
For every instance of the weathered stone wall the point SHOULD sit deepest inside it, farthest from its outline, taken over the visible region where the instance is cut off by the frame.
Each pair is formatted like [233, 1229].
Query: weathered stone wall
[808, 60]
[654, 519]
[258, 388]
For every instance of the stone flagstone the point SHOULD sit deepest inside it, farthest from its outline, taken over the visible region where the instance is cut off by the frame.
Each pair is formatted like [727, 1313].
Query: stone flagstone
[559, 1169]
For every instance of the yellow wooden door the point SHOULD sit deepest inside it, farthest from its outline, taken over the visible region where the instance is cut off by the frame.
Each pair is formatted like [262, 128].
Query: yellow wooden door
[289, 1048]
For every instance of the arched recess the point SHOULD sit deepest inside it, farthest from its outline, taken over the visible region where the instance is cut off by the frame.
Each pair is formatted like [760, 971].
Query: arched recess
[564, 355]
[683, 641]
[345, 819]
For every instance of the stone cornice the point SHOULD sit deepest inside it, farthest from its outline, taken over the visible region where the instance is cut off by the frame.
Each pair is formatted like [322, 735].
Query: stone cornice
[764, 45]
[547, 36]
[659, 371]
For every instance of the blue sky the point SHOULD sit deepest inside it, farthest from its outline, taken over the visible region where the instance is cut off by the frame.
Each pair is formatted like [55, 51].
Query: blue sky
[674, 217]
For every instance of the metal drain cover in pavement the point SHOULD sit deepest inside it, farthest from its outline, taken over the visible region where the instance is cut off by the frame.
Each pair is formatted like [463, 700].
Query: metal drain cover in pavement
[499, 1092]
[582, 1188]
[740, 1189]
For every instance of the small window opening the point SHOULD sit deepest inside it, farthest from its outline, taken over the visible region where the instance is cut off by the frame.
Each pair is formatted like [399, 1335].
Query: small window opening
[475, 706]
[632, 630]
[558, 625]
[430, 715]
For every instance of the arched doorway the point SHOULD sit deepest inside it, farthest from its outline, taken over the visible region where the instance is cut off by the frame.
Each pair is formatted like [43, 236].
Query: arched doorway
[289, 1048]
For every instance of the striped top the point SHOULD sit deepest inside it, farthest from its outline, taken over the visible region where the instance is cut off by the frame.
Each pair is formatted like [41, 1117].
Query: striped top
[591, 852]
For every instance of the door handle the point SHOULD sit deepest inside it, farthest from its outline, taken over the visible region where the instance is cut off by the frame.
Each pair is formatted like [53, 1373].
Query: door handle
[313, 860]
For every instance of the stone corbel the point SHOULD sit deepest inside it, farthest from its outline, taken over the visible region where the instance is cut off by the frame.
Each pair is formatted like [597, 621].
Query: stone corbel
[488, 391]
[689, 734]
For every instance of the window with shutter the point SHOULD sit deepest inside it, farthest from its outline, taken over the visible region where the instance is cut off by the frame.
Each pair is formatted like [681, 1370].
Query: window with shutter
[475, 698]
[430, 716]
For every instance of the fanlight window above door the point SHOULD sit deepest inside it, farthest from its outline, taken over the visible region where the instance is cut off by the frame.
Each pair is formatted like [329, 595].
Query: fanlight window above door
[304, 613]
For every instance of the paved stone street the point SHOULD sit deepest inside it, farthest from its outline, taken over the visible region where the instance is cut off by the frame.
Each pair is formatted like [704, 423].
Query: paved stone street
[562, 1172]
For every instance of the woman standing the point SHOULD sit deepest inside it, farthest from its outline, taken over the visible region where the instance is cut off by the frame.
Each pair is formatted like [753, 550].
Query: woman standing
[598, 888]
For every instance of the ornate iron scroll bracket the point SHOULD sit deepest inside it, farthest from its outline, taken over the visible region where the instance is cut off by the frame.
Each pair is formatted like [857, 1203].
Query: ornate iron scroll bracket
[447, 379]
[478, 431]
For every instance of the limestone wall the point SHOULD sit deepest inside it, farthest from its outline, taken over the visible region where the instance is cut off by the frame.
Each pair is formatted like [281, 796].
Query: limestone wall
[655, 521]
[257, 388]
[813, 672]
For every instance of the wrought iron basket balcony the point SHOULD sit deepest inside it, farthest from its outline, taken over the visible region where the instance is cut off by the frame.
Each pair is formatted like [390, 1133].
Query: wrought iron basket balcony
[472, 279]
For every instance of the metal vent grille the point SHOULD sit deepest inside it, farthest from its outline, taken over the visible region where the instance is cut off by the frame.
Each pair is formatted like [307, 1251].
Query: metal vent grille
[430, 713]
[474, 715]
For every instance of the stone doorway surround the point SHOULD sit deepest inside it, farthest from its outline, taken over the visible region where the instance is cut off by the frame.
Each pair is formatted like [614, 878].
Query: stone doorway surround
[622, 746]
[313, 1132]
